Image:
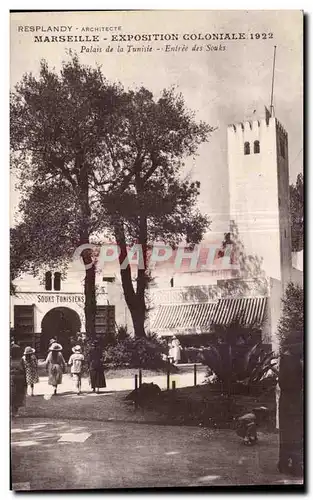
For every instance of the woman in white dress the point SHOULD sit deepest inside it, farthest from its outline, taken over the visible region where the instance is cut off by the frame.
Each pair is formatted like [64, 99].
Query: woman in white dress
[175, 350]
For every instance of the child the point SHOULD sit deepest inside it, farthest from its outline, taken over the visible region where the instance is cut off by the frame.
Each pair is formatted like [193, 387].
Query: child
[76, 363]
[248, 423]
[30, 364]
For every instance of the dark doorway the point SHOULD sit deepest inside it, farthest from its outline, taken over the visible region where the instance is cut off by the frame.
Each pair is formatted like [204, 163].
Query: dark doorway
[61, 323]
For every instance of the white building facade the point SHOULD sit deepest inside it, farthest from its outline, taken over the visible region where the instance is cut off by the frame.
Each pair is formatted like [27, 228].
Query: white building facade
[187, 303]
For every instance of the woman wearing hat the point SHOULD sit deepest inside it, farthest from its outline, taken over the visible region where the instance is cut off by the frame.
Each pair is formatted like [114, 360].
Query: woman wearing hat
[55, 364]
[18, 380]
[76, 363]
[96, 367]
[30, 363]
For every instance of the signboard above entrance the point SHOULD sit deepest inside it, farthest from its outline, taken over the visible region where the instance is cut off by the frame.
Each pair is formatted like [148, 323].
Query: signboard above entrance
[57, 298]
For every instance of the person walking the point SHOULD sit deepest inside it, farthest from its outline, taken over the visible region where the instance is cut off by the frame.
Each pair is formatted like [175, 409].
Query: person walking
[18, 380]
[30, 363]
[96, 367]
[55, 365]
[76, 363]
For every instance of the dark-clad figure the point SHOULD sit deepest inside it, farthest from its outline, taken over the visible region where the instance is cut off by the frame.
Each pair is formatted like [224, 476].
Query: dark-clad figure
[18, 380]
[96, 367]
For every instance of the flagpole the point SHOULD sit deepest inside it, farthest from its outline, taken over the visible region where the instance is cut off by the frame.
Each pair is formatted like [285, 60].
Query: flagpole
[272, 92]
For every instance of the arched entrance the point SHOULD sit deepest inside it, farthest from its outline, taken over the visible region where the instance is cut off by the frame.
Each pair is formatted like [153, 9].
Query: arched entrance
[61, 323]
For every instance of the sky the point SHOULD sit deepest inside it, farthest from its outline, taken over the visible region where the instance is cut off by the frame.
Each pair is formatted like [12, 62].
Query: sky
[222, 87]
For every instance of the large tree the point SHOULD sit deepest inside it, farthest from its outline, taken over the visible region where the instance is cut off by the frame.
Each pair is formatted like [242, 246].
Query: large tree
[152, 201]
[296, 213]
[116, 158]
[58, 123]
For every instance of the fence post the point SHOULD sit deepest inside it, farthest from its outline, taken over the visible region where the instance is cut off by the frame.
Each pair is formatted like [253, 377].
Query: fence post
[136, 391]
[195, 374]
[168, 380]
[140, 378]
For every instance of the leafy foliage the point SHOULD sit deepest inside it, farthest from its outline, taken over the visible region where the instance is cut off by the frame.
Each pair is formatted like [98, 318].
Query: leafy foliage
[291, 324]
[291, 404]
[296, 212]
[258, 363]
[237, 332]
[153, 202]
[192, 355]
[49, 232]
[57, 125]
[116, 159]
[231, 371]
[133, 352]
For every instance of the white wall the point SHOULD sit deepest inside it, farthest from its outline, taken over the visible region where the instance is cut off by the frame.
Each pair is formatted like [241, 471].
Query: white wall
[297, 260]
[31, 290]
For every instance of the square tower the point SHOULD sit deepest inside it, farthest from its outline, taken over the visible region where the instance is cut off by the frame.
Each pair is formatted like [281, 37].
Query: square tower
[259, 192]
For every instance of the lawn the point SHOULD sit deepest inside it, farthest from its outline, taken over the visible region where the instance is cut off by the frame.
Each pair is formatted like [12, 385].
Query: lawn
[204, 405]
[201, 405]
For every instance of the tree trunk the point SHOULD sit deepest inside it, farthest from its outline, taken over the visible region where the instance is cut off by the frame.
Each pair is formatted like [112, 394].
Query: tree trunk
[290, 415]
[134, 301]
[90, 274]
[90, 301]
[139, 314]
[138, 318]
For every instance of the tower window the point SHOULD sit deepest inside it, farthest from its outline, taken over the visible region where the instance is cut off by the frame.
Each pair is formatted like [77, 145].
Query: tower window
[256, 147]
[247, 148]
[48, 280]
[57, 281]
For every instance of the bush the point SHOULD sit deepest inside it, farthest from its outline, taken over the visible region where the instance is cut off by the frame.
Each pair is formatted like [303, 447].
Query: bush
[192, 355]
[130, 352]
[291, 323]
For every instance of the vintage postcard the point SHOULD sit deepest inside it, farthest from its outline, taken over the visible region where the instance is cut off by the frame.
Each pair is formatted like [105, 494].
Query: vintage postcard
[156, 263]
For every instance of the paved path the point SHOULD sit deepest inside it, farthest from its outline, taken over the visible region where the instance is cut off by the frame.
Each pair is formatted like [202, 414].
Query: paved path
[63, 454]
[120, 384]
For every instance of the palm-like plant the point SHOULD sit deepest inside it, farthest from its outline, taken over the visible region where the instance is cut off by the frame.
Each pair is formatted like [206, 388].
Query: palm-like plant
[220, 360]
[223, 361]
[258, 366]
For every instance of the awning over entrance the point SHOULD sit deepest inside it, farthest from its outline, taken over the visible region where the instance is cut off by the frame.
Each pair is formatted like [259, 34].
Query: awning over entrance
[197, 318]
[184, 317]
[248, 310]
